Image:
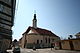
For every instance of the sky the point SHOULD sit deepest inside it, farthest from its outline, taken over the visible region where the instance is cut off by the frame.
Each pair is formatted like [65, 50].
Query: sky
[62, 17]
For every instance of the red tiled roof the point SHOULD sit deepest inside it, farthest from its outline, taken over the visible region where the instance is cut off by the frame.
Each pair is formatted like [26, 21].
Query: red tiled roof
[40, 31]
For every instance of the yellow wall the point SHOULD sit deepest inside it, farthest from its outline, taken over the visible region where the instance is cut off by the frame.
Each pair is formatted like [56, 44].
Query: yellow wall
[76, 44]
[65, 45]
[33, 38]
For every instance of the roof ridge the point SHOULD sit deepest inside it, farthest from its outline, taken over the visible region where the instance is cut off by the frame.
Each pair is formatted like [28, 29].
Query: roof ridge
[40, 31]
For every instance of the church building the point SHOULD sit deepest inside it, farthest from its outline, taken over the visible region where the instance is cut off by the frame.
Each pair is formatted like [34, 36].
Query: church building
[38, 37]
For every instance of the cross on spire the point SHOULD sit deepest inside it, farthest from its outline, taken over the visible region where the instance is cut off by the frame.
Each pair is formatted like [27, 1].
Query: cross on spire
[34, 11]
[34, 14]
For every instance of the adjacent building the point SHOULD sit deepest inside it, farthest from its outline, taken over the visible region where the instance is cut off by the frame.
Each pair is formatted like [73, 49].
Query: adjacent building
[7, 12]
[37, 37]
[70, 44]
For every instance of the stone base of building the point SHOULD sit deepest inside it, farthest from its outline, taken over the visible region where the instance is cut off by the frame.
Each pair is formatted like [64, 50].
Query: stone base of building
[38, 46]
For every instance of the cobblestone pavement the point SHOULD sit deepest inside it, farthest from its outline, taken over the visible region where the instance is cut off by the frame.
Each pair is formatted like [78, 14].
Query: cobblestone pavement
[47, 51]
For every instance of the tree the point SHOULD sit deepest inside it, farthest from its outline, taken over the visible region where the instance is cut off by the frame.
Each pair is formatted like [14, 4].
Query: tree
[70, 37]
[15, 40]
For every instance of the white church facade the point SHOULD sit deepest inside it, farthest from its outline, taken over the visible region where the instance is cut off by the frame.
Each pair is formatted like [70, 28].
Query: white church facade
[38, 37]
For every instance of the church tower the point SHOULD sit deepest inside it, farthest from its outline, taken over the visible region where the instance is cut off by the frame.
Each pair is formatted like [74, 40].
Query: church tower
[34, 21]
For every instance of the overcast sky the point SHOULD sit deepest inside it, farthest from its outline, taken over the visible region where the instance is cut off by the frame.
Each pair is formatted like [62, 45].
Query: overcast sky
[62, 17]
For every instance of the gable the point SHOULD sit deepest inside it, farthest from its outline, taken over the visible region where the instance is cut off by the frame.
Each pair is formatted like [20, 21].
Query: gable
[30, 32]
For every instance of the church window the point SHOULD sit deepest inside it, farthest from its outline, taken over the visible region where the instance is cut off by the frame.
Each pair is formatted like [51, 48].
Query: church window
[37, 41]
[46, 40]
[41, 41]
[49, 40]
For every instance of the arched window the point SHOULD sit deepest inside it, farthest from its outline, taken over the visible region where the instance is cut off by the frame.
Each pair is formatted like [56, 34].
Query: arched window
[37, 41]
[49, 40]
[41, 41]
[46, 40]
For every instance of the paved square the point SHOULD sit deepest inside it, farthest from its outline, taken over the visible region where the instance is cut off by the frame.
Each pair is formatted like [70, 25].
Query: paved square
[47, 51]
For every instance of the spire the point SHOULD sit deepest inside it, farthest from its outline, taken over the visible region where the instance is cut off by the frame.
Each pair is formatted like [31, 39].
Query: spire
[34, 14]
[34, 20]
